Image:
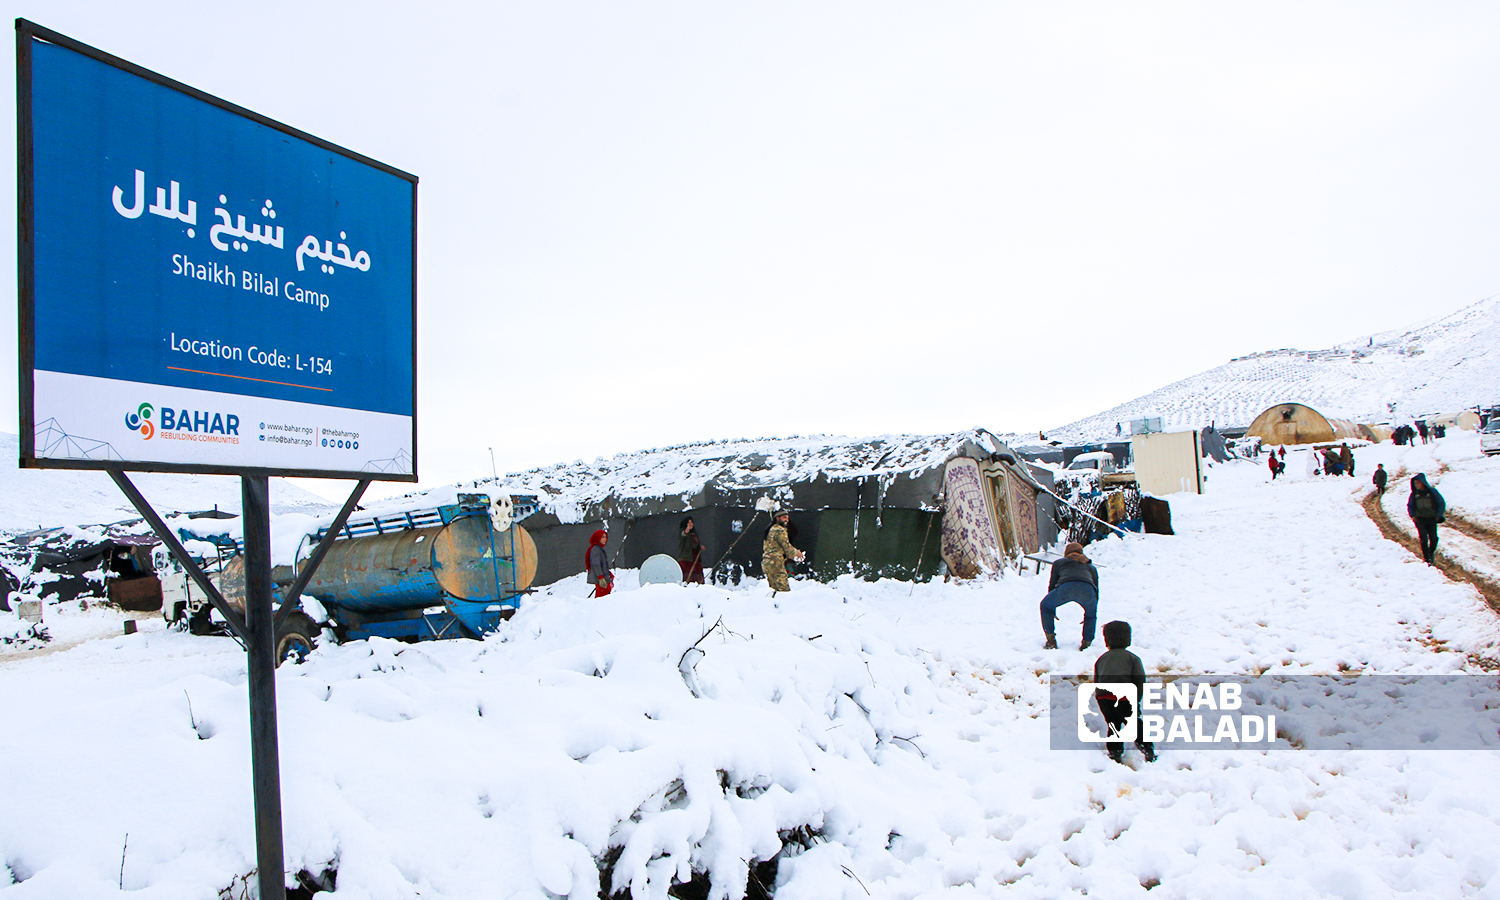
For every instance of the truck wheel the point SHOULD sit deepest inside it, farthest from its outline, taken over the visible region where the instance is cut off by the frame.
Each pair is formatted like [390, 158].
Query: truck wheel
[199, 622]
[295, 639]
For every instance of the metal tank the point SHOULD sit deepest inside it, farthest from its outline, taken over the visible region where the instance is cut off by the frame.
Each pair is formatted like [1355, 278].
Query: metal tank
[425, 573]
[443, 572]
[413, 569]
[452, 571]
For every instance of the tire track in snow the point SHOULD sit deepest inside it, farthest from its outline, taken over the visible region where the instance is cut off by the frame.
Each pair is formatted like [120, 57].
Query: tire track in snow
[1475, 530]
[1450, 565]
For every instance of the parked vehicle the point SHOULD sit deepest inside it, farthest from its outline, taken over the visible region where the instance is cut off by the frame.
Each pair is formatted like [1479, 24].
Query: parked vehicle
[1098, 467]
[1101, 461]
[1489, 439]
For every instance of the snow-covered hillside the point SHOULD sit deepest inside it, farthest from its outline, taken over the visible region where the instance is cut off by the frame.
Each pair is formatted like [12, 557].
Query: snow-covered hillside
[1441, 365]
[44, 498]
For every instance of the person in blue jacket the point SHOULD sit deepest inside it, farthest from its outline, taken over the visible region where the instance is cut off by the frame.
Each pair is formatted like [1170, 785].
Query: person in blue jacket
[1074, 580]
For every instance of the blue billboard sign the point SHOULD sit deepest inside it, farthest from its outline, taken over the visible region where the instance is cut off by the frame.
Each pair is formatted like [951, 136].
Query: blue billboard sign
[204, 289]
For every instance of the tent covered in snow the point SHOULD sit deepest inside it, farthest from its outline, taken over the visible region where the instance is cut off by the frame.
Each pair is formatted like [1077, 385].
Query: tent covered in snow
[106, 562]
[1288, 424]
[894, 506]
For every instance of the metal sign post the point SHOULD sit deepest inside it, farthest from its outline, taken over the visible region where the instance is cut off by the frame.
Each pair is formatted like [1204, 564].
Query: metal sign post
[256, 630]
[260, 653]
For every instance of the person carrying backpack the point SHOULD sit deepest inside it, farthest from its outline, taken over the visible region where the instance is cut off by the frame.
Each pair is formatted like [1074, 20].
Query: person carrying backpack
[1427, 508]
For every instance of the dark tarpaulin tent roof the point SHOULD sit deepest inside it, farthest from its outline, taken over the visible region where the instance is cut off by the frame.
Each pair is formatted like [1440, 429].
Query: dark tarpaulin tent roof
[69, 563]
[872, 507]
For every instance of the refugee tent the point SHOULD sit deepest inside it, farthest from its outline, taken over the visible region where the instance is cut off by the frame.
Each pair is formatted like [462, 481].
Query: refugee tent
[989, 515]
[1376, 433]
[111, 562]
[1287, 424]
[899, 506]
[1466, 419]
[115, 562]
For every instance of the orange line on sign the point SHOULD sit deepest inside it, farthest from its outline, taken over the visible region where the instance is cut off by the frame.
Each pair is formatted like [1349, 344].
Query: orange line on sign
[248, 378]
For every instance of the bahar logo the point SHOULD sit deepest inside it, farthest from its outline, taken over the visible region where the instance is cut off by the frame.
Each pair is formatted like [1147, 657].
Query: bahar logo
[140, 420]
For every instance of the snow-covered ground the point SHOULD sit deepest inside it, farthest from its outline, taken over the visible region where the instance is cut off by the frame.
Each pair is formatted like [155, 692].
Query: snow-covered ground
[891, 740]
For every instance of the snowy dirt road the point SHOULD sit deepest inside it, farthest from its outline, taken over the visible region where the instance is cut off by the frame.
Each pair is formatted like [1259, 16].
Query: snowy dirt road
[1469, 540]
[845, 740]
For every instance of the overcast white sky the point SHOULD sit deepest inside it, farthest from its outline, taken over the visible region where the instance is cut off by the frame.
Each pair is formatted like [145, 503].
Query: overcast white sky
[648, 223]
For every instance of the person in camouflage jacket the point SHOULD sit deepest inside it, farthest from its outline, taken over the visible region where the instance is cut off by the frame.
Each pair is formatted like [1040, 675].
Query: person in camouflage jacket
[775, 552]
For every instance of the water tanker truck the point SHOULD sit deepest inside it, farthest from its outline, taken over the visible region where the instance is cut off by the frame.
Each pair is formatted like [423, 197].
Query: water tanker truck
[449, 571]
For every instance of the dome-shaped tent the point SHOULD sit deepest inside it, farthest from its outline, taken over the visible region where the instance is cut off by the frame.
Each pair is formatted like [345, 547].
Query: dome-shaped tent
[1292, 423]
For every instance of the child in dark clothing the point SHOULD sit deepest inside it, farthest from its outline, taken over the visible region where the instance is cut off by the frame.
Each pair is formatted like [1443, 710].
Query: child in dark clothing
[1120, 666]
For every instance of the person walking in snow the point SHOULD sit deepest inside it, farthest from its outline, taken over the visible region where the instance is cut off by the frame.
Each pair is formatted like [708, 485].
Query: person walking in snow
[1118, 665]
[1074, 580]
[1422, 429]
[776, 550]
[1379, 479]
[1275, 465]
[1427, 508]
[596, 563]
[1346, 459]
[689, 552]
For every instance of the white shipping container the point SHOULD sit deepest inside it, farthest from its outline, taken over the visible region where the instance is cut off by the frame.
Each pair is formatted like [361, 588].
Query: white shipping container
[1168, 463]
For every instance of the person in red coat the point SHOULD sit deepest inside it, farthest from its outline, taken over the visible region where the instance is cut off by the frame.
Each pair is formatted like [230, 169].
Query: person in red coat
[596, 564]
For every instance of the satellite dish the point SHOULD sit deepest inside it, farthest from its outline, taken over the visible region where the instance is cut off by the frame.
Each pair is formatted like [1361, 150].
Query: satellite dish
[661, 569]
[501, 509]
